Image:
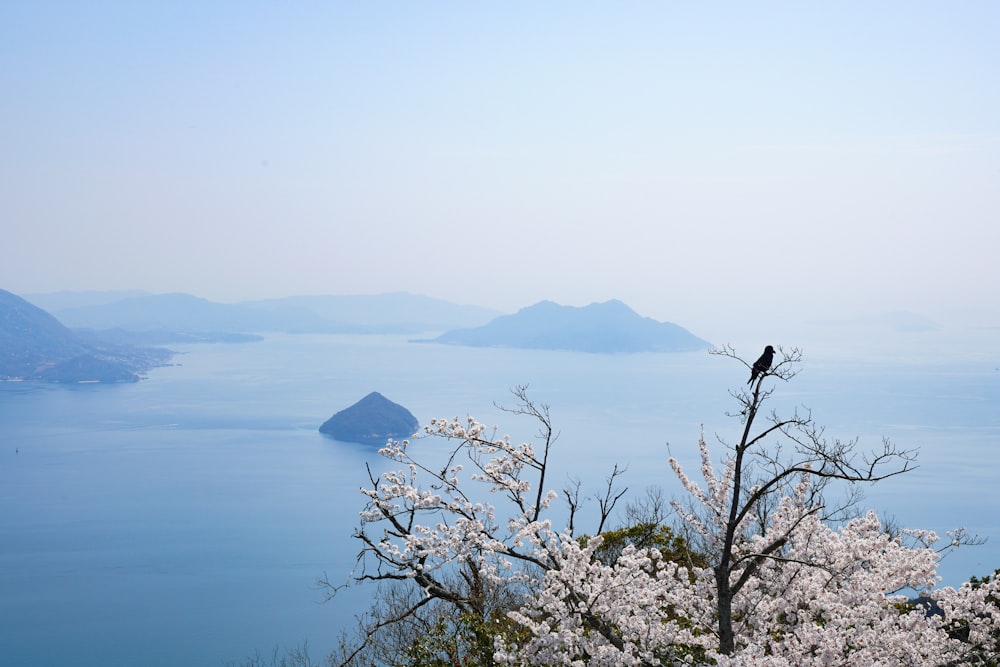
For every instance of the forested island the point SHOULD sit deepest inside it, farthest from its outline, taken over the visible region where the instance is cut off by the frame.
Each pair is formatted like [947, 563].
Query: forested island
[607, 328]
[372, 420]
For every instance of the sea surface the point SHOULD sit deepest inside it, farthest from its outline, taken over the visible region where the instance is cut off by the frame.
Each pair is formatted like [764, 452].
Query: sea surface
[185, 519]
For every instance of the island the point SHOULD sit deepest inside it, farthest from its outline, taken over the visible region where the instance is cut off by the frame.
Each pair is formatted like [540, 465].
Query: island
[372, 420]
[609, 327]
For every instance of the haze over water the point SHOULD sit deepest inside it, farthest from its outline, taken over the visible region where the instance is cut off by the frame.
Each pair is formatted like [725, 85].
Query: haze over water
[185, 519]
[734, 168]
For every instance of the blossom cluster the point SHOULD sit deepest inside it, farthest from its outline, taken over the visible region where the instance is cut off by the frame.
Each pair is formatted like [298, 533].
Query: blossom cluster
[819, 594]
[435, 519]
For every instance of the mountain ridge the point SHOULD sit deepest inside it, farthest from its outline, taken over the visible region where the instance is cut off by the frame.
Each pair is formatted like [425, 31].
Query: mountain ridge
[156, 319]
[390, 313]
[35, 346]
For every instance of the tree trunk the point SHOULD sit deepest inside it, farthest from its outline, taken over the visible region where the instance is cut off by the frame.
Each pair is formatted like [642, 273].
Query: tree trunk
[727, 640]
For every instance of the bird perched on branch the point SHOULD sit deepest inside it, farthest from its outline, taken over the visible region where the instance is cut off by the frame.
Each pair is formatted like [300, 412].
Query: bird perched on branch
[762, 364]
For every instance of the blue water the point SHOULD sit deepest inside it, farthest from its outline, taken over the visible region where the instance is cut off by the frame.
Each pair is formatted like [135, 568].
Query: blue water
[184, 520]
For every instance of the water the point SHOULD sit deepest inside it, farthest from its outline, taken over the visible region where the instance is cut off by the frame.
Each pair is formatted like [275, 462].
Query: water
[184, 520]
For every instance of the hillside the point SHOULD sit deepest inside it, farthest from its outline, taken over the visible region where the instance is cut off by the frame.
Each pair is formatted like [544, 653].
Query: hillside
[609, 327]
[35, 346]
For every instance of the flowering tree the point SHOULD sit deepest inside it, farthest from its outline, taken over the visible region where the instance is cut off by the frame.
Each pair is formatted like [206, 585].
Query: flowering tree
[434, 525]
[826, 597]
[733, 501]
[775, 583]
[830, 596]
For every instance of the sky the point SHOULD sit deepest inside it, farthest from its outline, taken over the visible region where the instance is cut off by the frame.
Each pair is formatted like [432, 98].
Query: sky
[699, 161]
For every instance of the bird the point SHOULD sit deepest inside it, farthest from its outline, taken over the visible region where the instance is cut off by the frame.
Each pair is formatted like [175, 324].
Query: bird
[762, 364]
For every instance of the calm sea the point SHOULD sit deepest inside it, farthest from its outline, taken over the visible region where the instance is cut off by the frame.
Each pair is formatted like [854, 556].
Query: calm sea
[184, 520]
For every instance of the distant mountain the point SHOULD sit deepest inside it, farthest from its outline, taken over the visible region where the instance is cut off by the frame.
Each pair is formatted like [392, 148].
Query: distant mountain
[394, 312]
[170, 315]
[35, 346]
[607, 327]
[372, 420]
[186, 314]
[55, 301]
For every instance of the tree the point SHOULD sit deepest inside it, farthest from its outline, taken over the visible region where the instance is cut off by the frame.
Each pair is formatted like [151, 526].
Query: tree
[811, 457]
[766, 579]
[399, 631]
[439, 537]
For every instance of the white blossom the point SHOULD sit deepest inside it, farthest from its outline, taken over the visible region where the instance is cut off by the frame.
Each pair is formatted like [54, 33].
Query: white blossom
[829, 595]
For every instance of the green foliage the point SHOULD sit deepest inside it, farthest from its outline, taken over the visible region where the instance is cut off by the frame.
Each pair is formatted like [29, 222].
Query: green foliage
[405, 629]
[647, 535]
[464, 641]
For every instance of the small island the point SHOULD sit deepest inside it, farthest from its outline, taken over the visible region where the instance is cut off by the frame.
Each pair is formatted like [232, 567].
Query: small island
[372, 420]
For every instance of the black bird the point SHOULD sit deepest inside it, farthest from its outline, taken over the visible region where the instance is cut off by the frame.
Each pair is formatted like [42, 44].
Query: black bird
[762, 364]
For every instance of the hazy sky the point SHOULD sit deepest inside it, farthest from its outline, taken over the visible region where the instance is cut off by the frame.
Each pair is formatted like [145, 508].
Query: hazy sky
[696, 160]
